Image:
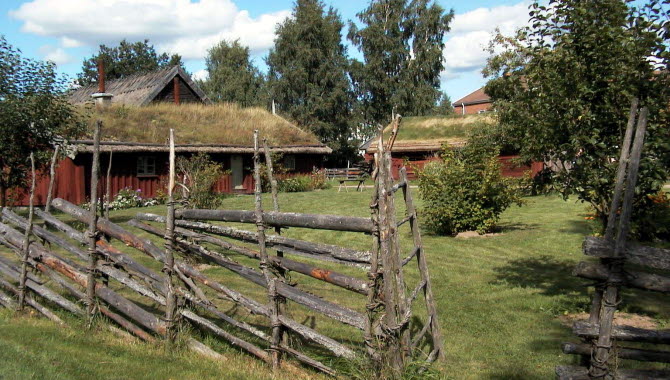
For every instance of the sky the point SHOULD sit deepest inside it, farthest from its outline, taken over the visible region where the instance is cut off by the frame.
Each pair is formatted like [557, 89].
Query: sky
[69, 31]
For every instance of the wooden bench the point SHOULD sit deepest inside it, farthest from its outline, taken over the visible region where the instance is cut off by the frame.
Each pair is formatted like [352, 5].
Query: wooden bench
[343, 183]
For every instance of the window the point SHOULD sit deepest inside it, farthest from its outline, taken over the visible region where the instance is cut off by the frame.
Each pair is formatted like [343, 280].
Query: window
[146, 166]
[289, 162]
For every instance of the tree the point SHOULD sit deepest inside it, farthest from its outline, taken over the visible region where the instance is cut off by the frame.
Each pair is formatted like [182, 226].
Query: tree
[34, 114]
[563, 88]
[126, 59]
[402, 43]
[443, 106]
[232, 76]
[308, 78]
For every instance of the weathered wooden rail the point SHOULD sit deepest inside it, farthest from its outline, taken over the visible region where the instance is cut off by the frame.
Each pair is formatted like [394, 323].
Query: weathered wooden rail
[183, 294]
[601, 346]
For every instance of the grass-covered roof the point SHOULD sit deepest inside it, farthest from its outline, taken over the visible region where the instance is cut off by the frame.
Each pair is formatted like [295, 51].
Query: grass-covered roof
[227, 124]
[419, 133]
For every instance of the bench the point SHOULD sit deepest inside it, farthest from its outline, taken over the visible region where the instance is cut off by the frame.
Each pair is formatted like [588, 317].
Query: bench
[343, 182]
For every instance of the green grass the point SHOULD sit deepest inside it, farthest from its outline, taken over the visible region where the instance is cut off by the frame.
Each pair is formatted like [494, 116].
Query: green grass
[499, 299]
[439, 127]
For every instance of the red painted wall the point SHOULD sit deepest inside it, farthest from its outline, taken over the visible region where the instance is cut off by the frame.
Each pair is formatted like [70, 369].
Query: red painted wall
[73, 177]
[472, 109]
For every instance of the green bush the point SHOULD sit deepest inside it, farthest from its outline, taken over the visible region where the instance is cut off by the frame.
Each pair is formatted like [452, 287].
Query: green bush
[466, 190]
[305, 182]
[198, 174]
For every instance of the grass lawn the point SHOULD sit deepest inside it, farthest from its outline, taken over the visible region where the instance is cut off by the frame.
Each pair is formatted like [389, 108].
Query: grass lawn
[499, 299]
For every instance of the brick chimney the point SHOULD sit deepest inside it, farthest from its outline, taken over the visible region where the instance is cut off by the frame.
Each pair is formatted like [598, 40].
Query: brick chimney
[102, 98]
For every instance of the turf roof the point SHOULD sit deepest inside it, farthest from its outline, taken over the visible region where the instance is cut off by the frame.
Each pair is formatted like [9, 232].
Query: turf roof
[198, 124]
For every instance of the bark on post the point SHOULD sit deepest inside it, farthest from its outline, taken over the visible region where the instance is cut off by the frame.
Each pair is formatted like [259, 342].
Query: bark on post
[52, 179]
[271, 178]
[26, 238]
[264, 264]
[371, 344]
[108, 185]
[168, 267]
[92, 227]
[603, 347]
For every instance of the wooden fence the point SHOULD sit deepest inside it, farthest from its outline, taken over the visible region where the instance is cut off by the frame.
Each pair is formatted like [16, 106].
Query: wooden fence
[391, 335]
[622, 264]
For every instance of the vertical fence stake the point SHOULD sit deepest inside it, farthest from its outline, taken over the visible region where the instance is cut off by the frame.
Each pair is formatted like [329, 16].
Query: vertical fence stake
[52, 179]
[92, 227]
[26, 239]
[168, 267]
[108, 185]
[273, 297]
[373, 303]
[603, 347]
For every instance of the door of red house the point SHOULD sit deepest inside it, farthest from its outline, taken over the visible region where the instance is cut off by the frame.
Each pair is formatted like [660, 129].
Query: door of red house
[237, 169]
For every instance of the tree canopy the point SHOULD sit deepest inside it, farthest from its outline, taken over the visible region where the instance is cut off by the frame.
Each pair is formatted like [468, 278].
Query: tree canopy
[232, 75]
[126, 59]
[402, 43]
[34, 114]
[308, 78]
[563, 88]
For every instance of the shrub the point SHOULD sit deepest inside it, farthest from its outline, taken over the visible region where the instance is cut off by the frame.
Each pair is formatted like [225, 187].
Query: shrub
[465, 190]
[304, 182]
[128, 198]
[651, 219]
[198, 174]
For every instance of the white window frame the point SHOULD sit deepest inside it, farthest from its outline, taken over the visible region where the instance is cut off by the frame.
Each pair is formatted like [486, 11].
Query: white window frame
[146, 166]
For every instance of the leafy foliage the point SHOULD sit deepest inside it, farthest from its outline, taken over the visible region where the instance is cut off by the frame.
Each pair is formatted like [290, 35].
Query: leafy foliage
[304, 182]
[308, 78]
[563, 86]
[443, 106]
[126, 59]
[232, 76]
[198, 174]
[34, 114]
[466, 190]
[402, 43]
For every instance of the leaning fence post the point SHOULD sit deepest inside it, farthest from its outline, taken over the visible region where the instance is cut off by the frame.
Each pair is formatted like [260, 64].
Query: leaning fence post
[277, 330]
[603, 346]
[26, 239]
[92, 227]
[168, 267]
[108, 185]
[52, 179]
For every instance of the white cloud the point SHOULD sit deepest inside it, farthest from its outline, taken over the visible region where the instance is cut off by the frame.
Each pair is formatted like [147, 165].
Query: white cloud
[465, 48]
[176, 26]
[200, 75]
[55, 55]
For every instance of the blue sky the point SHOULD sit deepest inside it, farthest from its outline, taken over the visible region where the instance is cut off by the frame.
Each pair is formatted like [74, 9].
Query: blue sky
[68, 31]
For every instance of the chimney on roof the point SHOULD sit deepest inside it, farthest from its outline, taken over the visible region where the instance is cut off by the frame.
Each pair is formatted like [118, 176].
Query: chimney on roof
[102, 98]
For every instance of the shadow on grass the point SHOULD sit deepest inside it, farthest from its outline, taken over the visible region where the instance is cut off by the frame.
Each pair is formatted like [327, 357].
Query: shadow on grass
[581, 227]
[551, 276]
[509, 227]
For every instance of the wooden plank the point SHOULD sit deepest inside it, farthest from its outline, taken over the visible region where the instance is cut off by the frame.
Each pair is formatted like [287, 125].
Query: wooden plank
[621, 352]
[282, 219]
[640, 280]
[278, 242]
[623, 333]
[637, 254]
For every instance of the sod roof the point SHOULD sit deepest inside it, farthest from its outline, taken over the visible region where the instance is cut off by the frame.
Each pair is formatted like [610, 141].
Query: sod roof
[430, 133]
[197, 124]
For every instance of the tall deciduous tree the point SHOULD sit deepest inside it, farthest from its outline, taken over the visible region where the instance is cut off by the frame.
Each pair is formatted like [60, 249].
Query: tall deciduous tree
[34, 114]
[308, 75]
[232, 76]
[126, 59]
[563, 89]
[402, 43]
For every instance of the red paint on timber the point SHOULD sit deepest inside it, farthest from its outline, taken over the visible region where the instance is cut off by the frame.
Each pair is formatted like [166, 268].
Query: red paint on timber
[177, 98]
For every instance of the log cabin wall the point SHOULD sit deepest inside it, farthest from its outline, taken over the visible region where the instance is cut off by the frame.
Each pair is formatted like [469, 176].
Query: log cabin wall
[73, 176]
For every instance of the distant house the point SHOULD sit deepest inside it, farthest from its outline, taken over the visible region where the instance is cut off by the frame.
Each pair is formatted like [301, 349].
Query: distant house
[473, 103]
[135, 129]
[421, 138]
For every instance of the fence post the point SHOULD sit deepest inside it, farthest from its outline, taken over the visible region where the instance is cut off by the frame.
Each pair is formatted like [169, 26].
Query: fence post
[273, 297]
[92, 227]
[168, 267]
[52, 179]
[26, 239]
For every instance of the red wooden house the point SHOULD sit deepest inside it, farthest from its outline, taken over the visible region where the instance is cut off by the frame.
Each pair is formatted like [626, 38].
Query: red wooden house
[421, 139]
[475, 102]
[137, 114]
